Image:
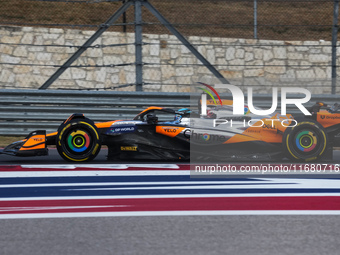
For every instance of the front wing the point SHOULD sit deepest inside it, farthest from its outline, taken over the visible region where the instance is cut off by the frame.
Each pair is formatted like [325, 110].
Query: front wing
[33, 145]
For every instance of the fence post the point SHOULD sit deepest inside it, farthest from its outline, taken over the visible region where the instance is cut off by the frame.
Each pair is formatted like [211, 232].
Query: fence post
[124, 18]
[255, 19]
[138, 45]
[334, 42]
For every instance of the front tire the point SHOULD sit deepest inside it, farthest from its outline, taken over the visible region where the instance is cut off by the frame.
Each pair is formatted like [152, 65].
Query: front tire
[78, 140]
[305, 142]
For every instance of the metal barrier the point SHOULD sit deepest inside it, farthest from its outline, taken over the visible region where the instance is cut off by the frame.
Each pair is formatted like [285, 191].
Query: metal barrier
[23, 111]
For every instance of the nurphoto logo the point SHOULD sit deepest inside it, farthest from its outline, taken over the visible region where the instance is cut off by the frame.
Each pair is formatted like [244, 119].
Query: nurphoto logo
[238, 99]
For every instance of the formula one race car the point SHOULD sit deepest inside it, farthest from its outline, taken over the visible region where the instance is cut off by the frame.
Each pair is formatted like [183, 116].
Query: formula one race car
[155, 133]
[166, 134]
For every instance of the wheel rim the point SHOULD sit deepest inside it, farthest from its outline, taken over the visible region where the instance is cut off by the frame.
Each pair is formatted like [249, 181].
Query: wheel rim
[306, 140]
[78, 141]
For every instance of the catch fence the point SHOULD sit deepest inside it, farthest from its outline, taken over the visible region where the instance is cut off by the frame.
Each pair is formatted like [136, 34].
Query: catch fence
[166, 47]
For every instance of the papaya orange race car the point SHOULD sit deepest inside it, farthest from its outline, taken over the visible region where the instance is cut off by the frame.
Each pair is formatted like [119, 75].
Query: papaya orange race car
[166, 134]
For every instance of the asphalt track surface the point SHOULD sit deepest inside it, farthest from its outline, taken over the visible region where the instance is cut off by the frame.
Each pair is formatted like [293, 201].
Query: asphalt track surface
[183, 235]
[54, 158]
[252, 233]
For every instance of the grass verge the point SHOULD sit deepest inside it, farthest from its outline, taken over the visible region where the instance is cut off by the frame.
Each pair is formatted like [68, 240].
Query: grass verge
[6, 140]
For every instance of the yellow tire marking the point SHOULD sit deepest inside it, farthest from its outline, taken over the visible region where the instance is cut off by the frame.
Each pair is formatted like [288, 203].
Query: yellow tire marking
[72, 159]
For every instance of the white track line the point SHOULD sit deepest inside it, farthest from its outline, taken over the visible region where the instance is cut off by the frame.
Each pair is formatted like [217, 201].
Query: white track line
[168, 213]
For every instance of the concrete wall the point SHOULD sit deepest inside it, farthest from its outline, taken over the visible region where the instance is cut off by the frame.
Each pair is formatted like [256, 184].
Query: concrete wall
[254, 62]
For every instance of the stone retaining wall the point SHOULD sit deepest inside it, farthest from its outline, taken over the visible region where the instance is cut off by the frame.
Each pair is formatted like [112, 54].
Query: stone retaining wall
[170, 65]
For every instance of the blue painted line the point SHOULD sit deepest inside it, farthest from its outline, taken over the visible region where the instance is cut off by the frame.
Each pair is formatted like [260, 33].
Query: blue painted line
[85, 179]
[76, 191]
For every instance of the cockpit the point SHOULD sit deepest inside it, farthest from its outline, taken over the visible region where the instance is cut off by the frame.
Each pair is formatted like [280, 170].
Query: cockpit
[158, 115]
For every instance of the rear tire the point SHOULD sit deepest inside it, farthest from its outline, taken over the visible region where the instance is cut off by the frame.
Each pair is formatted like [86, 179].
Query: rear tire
[78, 140]
[305, 142]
